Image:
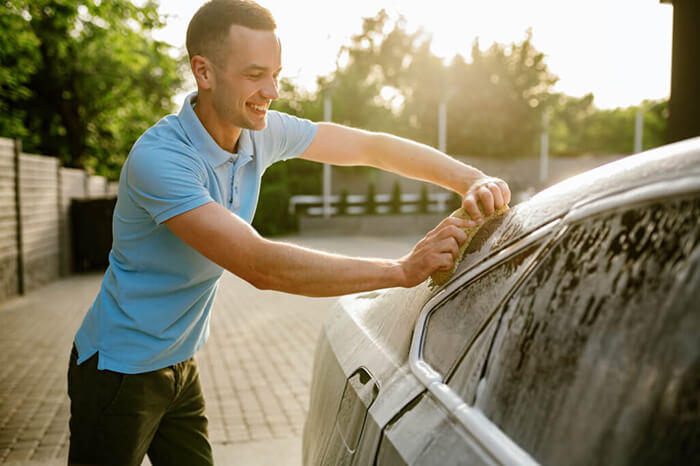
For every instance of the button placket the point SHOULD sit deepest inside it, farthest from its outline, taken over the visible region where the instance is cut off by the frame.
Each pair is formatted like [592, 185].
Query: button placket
[236, 186]
[233, 176]
[234, 196]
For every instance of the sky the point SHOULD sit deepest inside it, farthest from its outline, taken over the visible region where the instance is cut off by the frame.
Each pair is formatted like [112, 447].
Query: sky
[620, 50]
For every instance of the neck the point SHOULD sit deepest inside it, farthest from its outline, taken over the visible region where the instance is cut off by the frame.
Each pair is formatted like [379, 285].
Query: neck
[225, 135]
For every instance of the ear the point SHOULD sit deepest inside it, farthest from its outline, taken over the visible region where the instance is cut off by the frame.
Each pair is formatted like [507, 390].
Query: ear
[203, 72]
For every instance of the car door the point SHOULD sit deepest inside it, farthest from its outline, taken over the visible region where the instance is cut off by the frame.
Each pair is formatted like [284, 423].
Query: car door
[596, 359]
[510, 397]
[458, 320]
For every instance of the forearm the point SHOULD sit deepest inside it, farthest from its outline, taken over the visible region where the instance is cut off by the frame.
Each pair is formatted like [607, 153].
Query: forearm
[421, 162]
[298, 270]
[225, 239]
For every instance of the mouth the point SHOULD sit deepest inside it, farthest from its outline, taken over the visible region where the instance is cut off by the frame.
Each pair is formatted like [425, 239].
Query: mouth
[258, 109]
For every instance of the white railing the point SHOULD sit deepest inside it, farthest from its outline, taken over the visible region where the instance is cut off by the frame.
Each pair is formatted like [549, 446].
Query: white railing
[356, 204]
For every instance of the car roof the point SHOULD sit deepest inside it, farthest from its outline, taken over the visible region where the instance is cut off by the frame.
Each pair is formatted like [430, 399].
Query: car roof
[666, 163]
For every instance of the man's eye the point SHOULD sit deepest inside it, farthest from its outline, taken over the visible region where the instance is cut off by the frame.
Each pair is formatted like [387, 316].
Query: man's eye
[254, 76]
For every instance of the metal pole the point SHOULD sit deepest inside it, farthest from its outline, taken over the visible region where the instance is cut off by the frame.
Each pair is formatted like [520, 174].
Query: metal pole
[544, 148]
[638, 130]
[327, 116]
[442, 119]
[442, 126]
[18, 216]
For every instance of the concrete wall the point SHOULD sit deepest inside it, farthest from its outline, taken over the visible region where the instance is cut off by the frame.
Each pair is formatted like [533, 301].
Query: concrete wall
[43, 235]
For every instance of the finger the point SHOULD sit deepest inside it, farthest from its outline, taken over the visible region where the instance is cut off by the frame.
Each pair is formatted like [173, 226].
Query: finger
[454, 232]
[486, 199]
[455, 222]
[449, 246]
[470, 207]
[505, 190]
[498, 200]
[445, 261]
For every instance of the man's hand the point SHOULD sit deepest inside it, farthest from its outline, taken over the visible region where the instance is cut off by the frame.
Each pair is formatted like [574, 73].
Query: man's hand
[492, 193]
[438, 250]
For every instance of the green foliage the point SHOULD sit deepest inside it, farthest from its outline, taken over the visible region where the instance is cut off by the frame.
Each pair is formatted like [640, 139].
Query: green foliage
[280, 182]
[498, 100]
[494, 101]
[95, 79]
[495, 98]
[19, 56]
[272, 215]
[577, 127]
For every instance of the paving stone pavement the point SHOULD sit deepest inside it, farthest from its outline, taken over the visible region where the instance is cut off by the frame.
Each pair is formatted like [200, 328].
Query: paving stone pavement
[255, 368]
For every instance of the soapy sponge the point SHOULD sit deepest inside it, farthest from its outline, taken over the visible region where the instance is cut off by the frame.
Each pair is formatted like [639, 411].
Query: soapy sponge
[440, 277]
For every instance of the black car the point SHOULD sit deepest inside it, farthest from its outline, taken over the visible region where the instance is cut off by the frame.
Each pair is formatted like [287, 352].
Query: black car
[568, 335]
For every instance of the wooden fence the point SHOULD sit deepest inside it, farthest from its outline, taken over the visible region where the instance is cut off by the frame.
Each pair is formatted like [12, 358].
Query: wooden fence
[35, 233]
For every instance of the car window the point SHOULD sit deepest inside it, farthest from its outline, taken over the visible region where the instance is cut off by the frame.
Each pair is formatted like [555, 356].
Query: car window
[454, 324]
[595, 359]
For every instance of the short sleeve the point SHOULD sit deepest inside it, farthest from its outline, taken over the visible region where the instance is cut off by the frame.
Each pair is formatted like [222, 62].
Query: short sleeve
[166, 183]
[290, 136]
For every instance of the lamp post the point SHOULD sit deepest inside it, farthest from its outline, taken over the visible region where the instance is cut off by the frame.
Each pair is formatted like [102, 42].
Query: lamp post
[638, 129]
[544, 147]
[327, 116]
[442, 119]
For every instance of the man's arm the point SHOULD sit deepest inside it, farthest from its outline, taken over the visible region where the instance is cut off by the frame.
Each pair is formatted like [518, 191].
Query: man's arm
[341, 145]
[230, 242]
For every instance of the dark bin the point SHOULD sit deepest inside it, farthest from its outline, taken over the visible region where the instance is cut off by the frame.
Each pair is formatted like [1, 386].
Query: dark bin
[91, 221]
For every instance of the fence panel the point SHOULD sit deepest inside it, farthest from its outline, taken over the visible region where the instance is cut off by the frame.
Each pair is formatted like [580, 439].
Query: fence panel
[96, 186]
[40, 219]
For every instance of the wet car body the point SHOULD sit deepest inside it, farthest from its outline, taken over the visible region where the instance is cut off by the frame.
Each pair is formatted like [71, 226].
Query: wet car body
[569, 334]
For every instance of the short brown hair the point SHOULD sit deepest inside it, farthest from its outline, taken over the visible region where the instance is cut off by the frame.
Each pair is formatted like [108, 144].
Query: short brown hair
[210, 25]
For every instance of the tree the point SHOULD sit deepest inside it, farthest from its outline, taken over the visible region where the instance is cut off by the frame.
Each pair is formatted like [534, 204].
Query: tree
[494, 100]
[99, 79]
[577, 127]
[496, 108]
[19, 58]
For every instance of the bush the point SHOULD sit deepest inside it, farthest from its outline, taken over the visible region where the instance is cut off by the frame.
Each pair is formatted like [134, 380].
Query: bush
[272, 216]
[281, 181]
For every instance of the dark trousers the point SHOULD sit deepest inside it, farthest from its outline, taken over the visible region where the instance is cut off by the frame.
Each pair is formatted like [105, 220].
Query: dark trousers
[119, 418]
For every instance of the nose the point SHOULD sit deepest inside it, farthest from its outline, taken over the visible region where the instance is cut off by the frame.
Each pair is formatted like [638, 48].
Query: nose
[269, 90]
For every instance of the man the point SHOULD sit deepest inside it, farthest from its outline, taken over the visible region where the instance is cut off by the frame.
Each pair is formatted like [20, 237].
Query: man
[187, 194]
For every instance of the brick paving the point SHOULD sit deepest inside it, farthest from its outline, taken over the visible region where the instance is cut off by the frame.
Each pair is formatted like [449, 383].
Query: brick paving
[255, 368]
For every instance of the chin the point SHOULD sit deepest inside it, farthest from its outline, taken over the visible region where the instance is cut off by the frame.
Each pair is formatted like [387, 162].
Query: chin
[258, 125]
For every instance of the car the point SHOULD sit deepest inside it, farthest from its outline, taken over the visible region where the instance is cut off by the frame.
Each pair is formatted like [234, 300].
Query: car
[568, 334]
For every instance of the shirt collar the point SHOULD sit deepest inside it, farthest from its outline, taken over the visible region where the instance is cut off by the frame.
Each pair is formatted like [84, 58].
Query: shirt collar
[205, 144]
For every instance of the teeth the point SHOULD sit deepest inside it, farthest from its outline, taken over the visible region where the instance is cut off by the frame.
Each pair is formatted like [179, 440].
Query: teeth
[259, 108]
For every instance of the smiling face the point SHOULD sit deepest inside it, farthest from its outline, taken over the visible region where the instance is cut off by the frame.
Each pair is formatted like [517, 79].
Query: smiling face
[246, 78]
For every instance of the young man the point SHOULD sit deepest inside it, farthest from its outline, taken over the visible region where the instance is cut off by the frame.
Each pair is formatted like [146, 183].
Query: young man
[187, 194]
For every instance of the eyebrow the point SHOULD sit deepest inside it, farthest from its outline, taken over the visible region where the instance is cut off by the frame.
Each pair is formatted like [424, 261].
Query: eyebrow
[260, 68]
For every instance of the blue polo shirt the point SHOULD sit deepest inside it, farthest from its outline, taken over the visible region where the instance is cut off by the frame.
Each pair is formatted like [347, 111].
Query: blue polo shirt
[155, 300]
